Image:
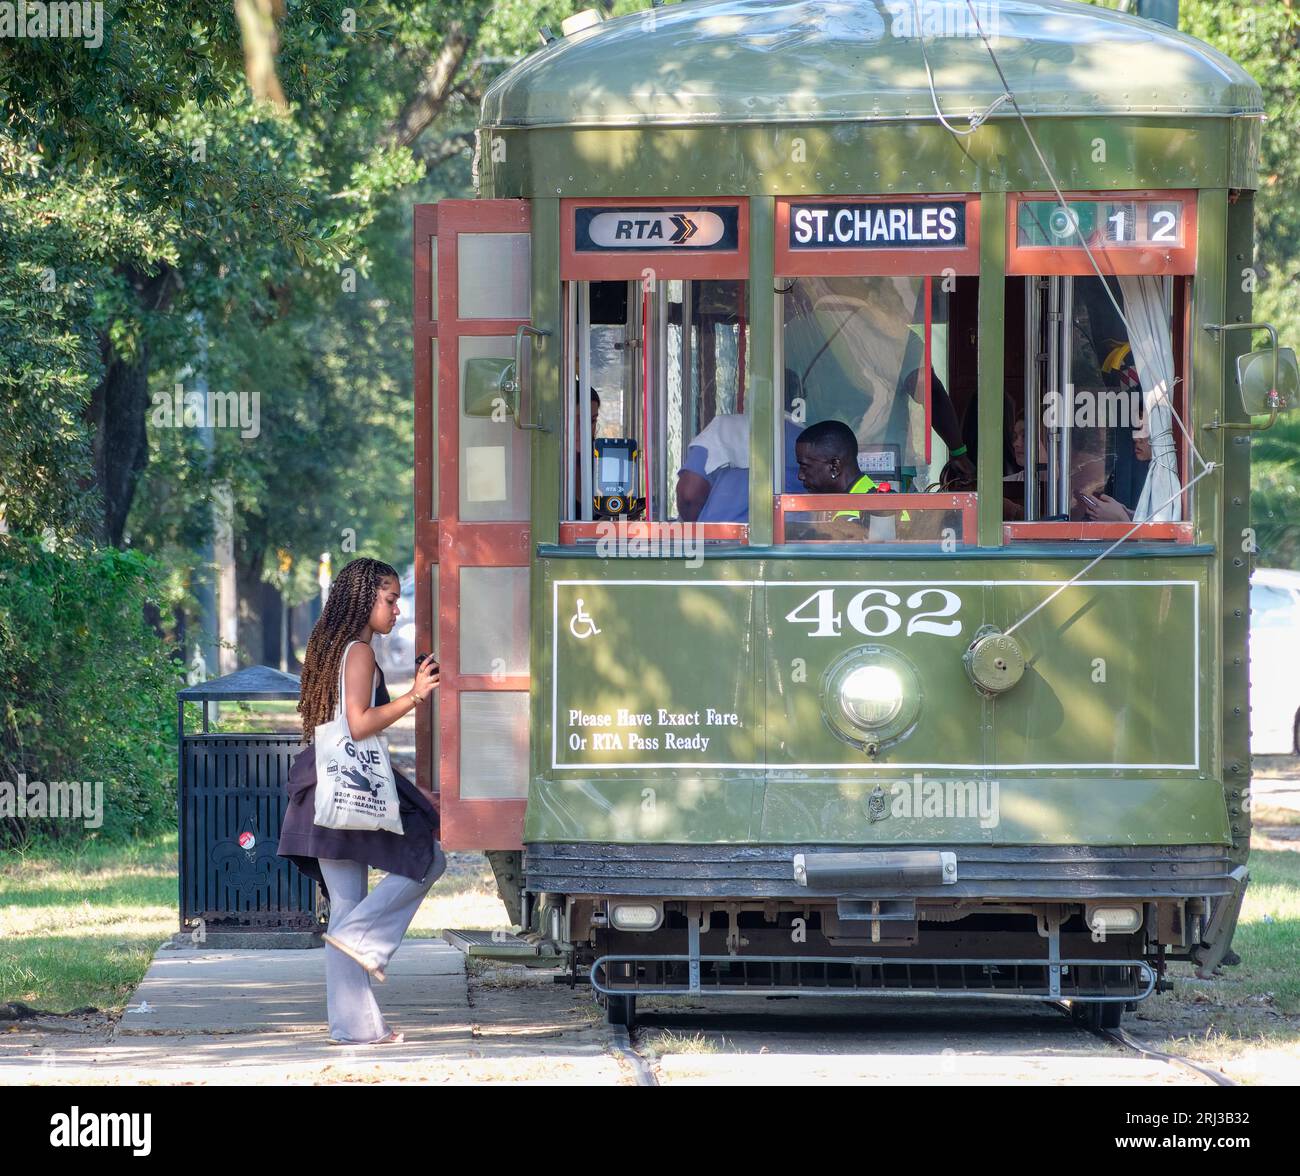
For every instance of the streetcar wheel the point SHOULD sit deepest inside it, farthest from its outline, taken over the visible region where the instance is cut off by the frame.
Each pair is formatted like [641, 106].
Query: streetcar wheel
[1098, 1016]
[620, 1010]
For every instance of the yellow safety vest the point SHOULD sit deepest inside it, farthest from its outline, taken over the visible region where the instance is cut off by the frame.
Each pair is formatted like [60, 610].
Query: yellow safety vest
[864, 485]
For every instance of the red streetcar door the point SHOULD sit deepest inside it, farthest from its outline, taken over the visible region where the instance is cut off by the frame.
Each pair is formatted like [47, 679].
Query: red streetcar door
[473, 284]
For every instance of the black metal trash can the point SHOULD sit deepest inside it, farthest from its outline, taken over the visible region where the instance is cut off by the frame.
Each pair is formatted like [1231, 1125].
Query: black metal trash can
[231, 802]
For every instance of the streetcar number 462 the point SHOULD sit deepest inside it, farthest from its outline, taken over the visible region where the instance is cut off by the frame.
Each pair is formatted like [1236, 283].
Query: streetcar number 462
[874, 612]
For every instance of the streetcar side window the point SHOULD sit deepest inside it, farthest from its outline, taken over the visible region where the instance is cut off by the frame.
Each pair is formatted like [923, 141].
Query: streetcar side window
[659, 369]
[863, 412]
[1099, 360]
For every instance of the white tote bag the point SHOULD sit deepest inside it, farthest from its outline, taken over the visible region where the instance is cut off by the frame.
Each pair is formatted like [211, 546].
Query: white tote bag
[355, 788]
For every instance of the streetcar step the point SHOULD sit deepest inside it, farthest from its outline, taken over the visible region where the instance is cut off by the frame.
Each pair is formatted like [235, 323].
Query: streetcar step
[503, 945]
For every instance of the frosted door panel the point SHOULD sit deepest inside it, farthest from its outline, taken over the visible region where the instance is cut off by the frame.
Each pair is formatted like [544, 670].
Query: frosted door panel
[495, 281]
[493, 745]
[493, 453]
[494, 621]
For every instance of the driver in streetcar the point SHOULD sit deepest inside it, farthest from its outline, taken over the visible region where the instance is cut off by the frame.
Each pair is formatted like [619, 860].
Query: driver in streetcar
[827, 456]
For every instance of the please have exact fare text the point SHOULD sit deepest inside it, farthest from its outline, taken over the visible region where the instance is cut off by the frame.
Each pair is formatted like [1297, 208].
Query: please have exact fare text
[624, 728]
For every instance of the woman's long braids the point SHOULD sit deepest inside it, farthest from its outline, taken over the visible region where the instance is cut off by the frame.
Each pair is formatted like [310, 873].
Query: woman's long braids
[347, 609]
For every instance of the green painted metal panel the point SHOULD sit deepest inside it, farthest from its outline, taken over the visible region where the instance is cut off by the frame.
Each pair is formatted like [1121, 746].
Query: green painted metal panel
[948, 810]
[1238, 252]
[655, 674]
[1098, 153]
[760, 400]
[547, 388]
[544, 371]
[989, 359]
[1068, 712]
[1081, 752]
[825, 60]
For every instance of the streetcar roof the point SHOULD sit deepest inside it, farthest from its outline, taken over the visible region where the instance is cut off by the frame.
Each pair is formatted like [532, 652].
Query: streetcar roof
[775, 61]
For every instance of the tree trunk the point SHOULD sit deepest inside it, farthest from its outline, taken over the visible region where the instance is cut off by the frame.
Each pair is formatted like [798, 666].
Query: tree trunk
[299, 631]
[439, 78]
[120, 450]
[272, 607]
[117, 413]
[252, 619]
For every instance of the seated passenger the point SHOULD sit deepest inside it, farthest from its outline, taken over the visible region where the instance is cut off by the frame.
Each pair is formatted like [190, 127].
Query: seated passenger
[713, 485]
[1118, 505]
[827, 453]
[1013, 481]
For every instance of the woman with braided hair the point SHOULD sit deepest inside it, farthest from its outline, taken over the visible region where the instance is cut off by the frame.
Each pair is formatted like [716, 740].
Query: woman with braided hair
[364, 929]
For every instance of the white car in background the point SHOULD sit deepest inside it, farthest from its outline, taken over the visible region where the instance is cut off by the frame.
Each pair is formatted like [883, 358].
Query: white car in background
[395, 651]
[1274, 661]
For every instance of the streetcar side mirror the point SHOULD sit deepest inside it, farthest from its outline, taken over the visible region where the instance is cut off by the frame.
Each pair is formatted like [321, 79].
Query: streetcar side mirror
[489, 385]
[1259, 397]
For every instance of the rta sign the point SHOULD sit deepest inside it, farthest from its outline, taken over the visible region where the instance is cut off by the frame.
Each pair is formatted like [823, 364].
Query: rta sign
[601, 229]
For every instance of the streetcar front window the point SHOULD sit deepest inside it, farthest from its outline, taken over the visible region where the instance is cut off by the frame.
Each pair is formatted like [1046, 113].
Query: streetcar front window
[878, 398]
[659, 368]
[1103, 400]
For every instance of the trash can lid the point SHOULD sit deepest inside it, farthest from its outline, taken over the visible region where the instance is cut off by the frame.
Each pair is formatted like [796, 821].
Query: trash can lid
[250, 682]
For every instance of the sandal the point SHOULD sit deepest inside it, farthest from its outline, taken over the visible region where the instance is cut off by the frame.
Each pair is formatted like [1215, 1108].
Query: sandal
[365, 961]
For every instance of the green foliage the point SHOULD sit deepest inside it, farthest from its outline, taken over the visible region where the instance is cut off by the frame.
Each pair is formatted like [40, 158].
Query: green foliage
[87, 691]
[145, 160]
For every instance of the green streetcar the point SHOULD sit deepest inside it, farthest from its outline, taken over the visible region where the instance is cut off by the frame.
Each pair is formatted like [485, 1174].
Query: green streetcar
[832, 483]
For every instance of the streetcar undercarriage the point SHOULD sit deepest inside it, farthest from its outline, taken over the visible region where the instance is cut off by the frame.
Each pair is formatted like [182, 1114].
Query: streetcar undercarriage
[1092, 926]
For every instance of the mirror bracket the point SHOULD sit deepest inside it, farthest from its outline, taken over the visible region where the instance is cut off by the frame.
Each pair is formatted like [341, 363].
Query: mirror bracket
[1249, 426]
[1216, 329]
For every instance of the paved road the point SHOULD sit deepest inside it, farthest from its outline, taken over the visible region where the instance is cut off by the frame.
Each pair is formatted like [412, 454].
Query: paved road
[1275, 781]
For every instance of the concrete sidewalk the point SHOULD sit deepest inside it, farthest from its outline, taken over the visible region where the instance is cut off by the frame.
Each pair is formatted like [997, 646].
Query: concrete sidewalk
[1276, 791]
[258, 1018]
[196, 991]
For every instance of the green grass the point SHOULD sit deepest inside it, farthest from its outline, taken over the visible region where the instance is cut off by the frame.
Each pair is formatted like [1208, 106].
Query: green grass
[79, 925]
[1268, 933]
[669, 1041]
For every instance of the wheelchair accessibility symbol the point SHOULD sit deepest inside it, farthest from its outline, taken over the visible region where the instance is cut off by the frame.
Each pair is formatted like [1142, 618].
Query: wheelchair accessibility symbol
[581, 625]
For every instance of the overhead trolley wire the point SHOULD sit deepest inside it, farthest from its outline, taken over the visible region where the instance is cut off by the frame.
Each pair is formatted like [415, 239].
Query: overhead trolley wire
[978, 120]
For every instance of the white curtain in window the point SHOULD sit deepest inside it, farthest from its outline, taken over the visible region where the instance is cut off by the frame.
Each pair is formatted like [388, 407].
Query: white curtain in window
[1153, 356]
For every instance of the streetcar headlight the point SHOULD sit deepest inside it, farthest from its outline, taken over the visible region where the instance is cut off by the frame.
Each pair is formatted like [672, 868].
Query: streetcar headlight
[1115, 920]
[635, 916]
[871, 696]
